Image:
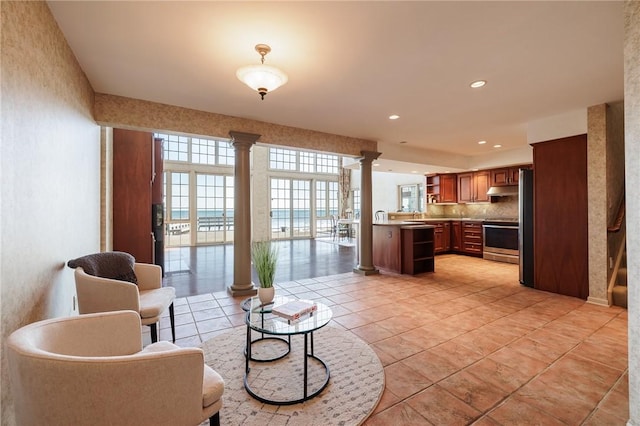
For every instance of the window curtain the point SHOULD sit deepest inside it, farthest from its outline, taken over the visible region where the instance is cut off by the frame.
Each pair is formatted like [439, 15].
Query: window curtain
[344, 185]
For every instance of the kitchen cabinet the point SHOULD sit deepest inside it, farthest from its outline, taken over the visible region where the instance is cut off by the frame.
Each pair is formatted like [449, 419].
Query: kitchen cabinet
[133, 174]
[456, 236]
[387, 251]
[506, 176]
[473, 186]
[404, 249]
[560, 212]
[447, 236]
[417, 249]
[442, 188]
[442, 236]
[471, 238]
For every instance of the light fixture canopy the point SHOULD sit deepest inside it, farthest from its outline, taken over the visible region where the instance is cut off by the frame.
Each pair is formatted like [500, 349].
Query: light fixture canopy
[262, 78]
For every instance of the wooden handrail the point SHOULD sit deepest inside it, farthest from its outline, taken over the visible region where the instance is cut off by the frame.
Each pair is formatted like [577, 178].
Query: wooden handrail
[615, 227]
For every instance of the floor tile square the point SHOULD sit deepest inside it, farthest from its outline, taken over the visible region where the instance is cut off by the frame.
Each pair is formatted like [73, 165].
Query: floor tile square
[440, 407]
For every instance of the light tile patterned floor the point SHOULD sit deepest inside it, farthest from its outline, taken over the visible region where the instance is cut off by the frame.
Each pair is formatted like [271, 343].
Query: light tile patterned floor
[465, 345]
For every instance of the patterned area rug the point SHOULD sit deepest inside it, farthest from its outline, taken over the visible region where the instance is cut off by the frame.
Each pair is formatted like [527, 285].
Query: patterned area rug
[354, 389]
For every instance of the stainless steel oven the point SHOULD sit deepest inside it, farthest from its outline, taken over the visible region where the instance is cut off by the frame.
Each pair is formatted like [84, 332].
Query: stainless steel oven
[500, 240]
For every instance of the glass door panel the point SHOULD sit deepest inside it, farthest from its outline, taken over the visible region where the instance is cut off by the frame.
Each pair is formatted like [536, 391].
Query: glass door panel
[280, 208]
[290, 208]
[326, 206]
[301, 201]
[178, 226]
[214, 195]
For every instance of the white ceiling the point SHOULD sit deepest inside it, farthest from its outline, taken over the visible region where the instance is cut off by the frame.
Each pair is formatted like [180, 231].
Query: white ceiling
[352, 64]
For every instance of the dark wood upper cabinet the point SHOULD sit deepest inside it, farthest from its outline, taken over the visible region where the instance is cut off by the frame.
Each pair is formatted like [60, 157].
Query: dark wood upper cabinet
[133, 172]
[561, 242]
[442, 188]
[448, 189]
[482, 185]
[506, 176]
[499, 177]
[473, 186]
[465, 187]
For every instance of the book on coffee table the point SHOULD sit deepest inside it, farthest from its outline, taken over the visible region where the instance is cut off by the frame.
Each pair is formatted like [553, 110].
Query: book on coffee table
[294, 309]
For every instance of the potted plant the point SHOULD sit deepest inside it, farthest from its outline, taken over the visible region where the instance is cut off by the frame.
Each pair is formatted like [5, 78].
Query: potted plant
[264, 258]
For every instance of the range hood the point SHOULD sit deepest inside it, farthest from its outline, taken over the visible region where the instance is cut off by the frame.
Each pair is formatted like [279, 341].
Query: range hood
[502, 191]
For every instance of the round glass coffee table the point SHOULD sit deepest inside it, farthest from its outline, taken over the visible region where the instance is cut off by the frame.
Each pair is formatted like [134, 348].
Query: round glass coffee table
[260, 318]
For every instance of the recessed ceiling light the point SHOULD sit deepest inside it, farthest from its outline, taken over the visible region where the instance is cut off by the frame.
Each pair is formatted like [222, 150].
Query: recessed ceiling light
[497, 146]
[481, 142]
[477, 84]
[403, 142]
[394, 117]
[376, 164]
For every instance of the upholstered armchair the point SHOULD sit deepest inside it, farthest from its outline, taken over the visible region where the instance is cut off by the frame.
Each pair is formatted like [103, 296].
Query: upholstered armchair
[91, 370]
[146, 295]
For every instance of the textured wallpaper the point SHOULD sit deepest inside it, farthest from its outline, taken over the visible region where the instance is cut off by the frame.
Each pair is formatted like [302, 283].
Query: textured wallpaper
[118, 111]
[49, 172]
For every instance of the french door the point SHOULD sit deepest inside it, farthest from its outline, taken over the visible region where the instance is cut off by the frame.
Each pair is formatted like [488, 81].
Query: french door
[290, 208]
[214, 207]
[326, 206]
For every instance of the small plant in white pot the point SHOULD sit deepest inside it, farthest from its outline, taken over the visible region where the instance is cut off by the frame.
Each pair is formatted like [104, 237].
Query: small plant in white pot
[264, 258]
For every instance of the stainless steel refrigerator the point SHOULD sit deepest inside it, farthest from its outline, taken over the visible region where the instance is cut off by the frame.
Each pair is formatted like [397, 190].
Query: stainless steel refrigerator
[525, 231]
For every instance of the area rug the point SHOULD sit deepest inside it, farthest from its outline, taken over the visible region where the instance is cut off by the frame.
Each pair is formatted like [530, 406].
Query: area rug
[354, 389]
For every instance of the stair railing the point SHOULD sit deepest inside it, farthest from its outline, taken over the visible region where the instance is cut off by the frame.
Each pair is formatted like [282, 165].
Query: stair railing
[615, 227]
[617, 223]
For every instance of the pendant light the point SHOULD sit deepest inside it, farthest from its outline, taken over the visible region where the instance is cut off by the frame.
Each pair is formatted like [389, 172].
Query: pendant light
[262, 78]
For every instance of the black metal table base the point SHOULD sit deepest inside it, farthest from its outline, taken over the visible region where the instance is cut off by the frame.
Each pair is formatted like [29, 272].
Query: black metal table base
[260, 339]
[306, 395]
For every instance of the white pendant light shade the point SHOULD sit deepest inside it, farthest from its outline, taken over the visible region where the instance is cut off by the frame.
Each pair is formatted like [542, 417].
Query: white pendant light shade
[262, 78]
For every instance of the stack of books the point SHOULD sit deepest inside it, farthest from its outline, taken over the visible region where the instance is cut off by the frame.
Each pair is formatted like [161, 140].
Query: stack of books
[295, 310]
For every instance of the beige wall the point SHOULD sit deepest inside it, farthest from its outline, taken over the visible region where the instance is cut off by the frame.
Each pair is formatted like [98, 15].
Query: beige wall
[615, 175]
[49, 172]
[116, 111]
[632, 173]
[606, 177]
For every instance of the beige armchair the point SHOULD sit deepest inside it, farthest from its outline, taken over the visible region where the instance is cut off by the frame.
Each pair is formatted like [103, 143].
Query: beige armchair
[148, 297]
[92, 370]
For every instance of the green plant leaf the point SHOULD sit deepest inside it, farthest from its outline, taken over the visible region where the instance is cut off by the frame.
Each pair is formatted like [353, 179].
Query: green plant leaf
[264, 258]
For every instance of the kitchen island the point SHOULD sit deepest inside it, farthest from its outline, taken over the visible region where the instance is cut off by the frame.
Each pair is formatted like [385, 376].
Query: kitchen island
[403, 247]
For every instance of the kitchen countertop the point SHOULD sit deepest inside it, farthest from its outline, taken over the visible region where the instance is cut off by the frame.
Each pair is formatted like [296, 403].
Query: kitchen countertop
[442, 219]
[427, 220]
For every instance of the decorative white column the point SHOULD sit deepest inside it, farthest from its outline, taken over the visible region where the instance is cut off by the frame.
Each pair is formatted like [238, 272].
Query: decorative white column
[242, 285]
[365, 265]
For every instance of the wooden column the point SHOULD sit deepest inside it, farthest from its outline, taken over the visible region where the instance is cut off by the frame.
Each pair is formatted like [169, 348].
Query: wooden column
[242, 285]
[365, 265]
